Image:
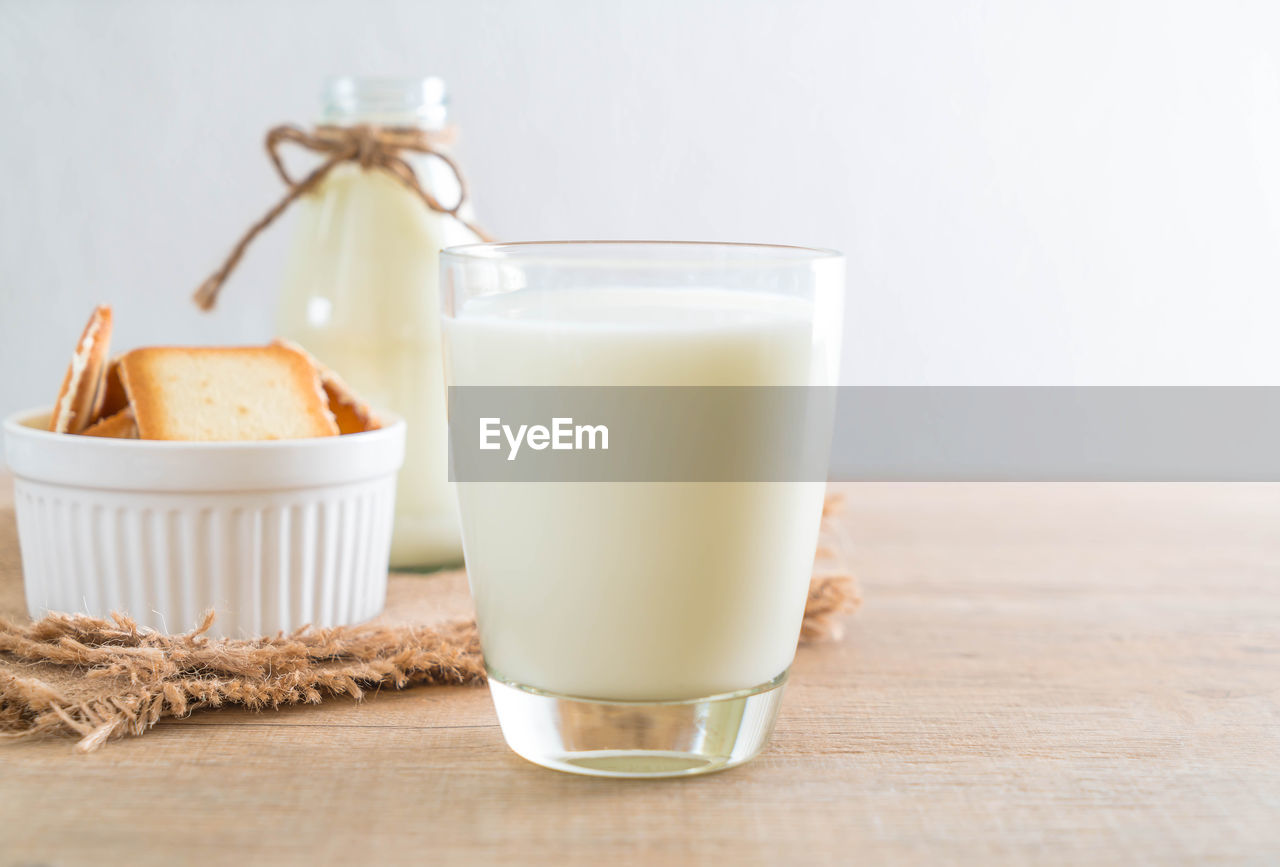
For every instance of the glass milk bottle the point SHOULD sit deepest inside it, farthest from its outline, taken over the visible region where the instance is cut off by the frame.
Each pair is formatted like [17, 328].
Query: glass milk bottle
[361, 292]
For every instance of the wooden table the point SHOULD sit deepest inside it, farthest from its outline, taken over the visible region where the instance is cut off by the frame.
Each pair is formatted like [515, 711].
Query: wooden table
[1040, 674]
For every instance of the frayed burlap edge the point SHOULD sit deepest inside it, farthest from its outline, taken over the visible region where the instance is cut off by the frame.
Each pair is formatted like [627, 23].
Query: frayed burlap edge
[147, 676]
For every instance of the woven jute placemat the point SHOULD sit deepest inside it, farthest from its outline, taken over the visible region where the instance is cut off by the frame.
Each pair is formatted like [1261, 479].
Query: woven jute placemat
[94, 680]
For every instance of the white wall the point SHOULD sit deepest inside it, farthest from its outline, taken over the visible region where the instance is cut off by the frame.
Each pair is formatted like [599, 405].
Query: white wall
[1084, 192]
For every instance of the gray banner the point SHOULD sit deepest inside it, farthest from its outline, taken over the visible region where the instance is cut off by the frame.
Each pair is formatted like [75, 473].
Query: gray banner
[747, 434]
[640, 434]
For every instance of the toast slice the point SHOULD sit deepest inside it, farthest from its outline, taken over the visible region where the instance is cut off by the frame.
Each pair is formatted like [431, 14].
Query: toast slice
[118, 426]
[81, 392]
[352, 414]
[113, 397]
[205, 394]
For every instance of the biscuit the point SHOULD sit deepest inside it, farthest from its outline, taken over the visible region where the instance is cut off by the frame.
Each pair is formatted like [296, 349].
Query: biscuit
[352, 414]
[118, 426]
[113, 397]
[205, 394]
[81, 393]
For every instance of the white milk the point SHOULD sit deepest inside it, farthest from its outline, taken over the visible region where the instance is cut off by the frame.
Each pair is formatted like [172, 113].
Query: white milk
[638, 591]
[361, 293]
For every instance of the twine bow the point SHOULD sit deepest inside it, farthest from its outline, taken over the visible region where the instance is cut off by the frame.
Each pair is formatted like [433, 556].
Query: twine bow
[372, 147]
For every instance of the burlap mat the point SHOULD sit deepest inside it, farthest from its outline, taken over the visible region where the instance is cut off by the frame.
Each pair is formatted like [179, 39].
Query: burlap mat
[100, 679]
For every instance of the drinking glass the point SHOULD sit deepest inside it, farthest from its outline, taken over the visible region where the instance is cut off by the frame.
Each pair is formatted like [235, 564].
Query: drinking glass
[639, 627]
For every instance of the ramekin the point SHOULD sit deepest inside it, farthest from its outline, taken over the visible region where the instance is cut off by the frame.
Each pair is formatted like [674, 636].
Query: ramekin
[271, 535]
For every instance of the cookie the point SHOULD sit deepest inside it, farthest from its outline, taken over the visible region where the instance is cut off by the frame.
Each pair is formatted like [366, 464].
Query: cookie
[118, 426]
[82, 388]
[204, 394]
[352, 414]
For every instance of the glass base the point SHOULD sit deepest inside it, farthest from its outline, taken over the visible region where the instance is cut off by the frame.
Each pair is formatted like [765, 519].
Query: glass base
[637, 738]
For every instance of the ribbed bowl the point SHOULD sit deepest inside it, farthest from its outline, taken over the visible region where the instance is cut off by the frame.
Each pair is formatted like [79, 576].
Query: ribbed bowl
[270, 535]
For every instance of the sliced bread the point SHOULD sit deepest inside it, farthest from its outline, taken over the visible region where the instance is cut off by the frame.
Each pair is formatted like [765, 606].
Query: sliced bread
[81, 392]
[118, 426]
[113, 398]
[352, 414]
[225, 393]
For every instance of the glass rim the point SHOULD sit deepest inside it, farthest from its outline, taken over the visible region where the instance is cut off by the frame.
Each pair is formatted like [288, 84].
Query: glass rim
[550, 253]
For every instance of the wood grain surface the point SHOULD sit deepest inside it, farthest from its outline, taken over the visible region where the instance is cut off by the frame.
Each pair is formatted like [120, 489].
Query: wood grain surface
[1049, 674]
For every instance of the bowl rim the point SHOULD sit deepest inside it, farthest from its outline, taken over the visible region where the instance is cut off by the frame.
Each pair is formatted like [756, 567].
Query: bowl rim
[14, 426]
[41, 457]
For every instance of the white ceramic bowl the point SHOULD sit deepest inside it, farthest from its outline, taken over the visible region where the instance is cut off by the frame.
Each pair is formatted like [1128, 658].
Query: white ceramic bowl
[271, 535]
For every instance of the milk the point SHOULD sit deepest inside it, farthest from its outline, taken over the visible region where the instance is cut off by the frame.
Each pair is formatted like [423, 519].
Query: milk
[361, 294]
[639, 591]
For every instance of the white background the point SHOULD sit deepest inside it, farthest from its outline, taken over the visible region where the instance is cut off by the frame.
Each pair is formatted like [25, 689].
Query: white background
[1028, 192]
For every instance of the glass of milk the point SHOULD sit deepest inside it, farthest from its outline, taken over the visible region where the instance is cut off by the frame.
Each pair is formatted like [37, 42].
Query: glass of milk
[639, 628]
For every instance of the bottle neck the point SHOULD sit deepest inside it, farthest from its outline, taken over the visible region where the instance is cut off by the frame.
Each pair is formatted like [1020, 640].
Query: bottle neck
[405, 102]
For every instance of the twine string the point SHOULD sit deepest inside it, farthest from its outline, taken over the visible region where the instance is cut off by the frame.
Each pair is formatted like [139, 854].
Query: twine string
[372, 148]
